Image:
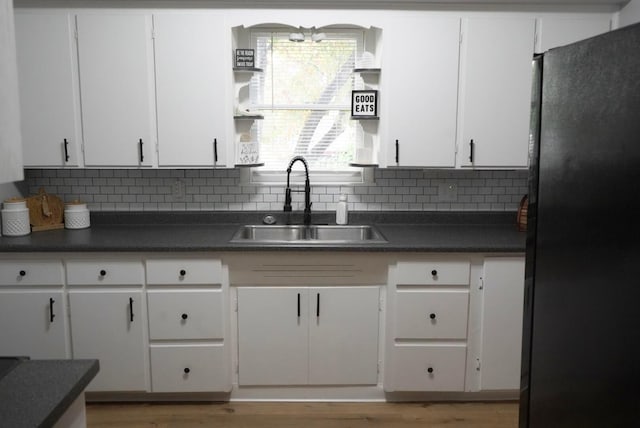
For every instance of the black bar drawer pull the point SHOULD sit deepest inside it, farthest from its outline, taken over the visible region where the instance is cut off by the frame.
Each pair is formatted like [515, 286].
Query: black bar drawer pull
[318, 305]
[471, 150]
[66, 150]
[51, 314]
[140, 143]
[130, 309]
[397, 152]
[215, 150]
[298, 305]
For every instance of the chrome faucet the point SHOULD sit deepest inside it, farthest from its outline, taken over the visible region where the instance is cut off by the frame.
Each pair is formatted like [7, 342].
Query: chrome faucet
[307, 190]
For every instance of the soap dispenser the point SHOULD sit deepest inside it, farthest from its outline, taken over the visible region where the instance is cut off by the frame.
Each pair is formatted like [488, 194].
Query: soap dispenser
[342, 211]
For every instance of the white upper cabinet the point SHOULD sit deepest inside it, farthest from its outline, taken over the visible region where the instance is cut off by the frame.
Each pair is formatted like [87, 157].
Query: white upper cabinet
[495, 92]
[193, 77]
[116, 86]
[419, 90]
[48, 83]
[560, 31]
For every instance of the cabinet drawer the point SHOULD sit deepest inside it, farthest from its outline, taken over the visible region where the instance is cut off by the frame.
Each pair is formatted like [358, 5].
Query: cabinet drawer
[437, 272]
[428, 368]
[183, 271]
[185, 314]
[431, 314]
[189, 369]
[19, 272]
[109, 272]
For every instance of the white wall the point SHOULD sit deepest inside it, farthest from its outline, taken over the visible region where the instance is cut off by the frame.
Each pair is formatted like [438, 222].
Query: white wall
[630, 14]
[9, 190]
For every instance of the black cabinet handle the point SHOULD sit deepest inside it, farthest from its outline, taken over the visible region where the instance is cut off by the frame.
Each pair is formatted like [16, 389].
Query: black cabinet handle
[185, 316]
[471, 150]
[103, 272]
[66, 150]
[430, 370]
[434, 273]
[130, 309]
[397, 152]
[318, 305]
[140, 143]
[187, 370]
[22, 273]
[51, 314]
[298, 305]
[183, 272]
[432, 316]
[215, 150]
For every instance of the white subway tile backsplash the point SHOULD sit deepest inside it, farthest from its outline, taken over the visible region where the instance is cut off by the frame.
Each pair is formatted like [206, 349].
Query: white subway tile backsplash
[393, 189]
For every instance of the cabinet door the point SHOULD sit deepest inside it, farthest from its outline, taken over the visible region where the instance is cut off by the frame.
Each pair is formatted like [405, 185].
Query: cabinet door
[273, 344]
[33, 324]
[503, 296]
[495, 92]
[555, 31]
[343, 335]
[193, 74]
[420, 81]
[108, 325]
[116, 86]
[48, 84]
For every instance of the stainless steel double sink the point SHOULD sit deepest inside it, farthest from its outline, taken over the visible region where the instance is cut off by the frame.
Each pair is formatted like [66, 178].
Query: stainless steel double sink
[314, 234]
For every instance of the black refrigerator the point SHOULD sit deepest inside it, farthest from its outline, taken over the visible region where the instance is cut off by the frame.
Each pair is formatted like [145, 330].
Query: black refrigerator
[581, 337]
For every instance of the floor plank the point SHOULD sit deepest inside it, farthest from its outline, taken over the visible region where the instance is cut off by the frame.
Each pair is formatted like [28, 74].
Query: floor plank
[303, 415]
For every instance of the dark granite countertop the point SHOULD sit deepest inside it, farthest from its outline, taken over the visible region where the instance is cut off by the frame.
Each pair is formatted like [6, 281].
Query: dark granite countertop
[200, 231]
[36, 393]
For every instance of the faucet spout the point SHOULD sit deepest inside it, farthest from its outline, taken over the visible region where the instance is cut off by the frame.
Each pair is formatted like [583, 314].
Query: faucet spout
[307, 190]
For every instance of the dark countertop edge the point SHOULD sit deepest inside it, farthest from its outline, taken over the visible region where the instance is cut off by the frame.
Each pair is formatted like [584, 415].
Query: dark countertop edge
[81, 372]
[74, 393]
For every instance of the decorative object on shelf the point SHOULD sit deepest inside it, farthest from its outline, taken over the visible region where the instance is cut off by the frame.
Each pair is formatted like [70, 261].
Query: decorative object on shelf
[243, 110]
[76, 215]
[364, 104]
[523, 210]
[45, 211]
[245, 58]
[15, 217]
[248, 151]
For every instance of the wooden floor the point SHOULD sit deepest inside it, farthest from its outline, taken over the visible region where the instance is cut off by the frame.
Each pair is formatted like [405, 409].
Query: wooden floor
[303, 415]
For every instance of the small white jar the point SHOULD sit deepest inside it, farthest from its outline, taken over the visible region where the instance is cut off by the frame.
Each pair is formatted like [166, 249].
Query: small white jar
[342, 211]
[15, 217]
[76, 215]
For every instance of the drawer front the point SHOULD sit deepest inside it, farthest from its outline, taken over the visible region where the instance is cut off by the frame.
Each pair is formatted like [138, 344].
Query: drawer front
[21, 272]
[437, 272]
[429, 368]
[109, 272]
[189, 369]
[431, 314]
[185, 314]
[184, 271]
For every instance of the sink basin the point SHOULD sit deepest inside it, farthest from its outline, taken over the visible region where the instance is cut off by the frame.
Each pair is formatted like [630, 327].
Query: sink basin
[315, 234]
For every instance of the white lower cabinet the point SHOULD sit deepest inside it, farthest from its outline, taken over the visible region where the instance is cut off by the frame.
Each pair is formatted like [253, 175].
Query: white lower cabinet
[429, 367]
[109, 325]
[184, 368]
[308, 335]
[501, 331]
[428, 305]
[33, 324]
[187, 329]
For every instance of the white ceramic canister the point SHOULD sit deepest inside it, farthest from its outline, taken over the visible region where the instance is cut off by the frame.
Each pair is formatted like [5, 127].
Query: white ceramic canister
[76, 215]
[15, 217]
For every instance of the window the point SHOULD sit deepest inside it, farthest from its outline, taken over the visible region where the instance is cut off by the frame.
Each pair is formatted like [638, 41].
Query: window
[304, 95]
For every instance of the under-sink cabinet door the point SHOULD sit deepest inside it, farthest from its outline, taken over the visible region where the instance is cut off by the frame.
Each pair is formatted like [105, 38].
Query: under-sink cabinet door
[272, 336]
[343, 335]
[109, 326]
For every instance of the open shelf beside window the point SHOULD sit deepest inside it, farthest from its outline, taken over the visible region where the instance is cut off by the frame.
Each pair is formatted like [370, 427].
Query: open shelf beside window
[249, 117]
[367, 70]
[247, 70]
[365, 117]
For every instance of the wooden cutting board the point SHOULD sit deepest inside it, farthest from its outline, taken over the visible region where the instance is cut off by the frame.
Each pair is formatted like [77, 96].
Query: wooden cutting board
[45, 211]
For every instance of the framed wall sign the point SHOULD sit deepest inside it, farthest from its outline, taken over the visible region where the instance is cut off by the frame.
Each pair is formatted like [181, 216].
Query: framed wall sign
[364, 103]
[245, 58]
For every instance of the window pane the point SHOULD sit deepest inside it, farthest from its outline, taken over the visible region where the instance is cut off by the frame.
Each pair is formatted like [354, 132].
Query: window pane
[305, 96]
